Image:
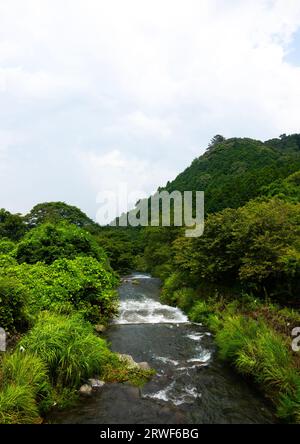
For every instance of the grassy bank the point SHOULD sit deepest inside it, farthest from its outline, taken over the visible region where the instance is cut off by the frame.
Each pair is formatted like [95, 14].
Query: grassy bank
[254, 336]
[51, 362]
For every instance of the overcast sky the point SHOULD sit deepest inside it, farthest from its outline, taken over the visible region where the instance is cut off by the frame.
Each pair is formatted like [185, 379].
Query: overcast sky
[94, 93]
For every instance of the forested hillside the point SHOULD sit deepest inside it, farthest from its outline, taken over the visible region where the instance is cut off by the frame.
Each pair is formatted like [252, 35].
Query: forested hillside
[233, 171]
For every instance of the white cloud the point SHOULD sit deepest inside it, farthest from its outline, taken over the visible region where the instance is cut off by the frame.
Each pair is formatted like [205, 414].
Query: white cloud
[117, 175]
[154, 79]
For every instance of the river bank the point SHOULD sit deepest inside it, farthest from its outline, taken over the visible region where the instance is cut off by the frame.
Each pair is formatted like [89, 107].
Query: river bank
[253, 336]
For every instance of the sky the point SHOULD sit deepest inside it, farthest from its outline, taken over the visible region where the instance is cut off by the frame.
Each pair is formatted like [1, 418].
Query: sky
[99, 96]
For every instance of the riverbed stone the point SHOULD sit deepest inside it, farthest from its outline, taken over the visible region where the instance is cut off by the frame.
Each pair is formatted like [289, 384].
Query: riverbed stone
[144, 365]
[85, 390]
[100, 328]
[128, 360]
[96, 384]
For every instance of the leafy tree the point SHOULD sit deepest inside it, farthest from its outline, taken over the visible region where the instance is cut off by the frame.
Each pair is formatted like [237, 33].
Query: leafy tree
[256, 246]
[57, 212]
[215, 141]
[12, 226]
[49, 242]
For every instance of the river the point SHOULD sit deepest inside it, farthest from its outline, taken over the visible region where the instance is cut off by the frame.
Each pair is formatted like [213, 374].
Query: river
[192, 386]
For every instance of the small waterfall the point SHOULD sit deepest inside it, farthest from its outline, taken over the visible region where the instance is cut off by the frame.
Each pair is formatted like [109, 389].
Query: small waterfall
[149, 311]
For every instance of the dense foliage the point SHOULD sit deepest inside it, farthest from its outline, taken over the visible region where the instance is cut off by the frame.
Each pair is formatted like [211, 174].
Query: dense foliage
[56, 212]
[81, 284]
[49, 242]
[12, 226]
[13, 300]
[234, 171]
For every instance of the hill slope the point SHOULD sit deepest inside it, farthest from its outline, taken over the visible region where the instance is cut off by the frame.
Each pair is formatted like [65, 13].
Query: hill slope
[236, 170]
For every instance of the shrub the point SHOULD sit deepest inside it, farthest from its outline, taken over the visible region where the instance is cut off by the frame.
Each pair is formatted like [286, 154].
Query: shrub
[66, 285]
[6, 261]
[200, 312]
[6, 246]
[184, 298]
[13, 299]
[172, 283]
[49, 242]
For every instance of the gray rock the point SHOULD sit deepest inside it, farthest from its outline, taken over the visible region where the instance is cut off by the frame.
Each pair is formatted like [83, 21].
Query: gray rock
[144, 365]
[96, 383]
[128, 361]
[85, 390]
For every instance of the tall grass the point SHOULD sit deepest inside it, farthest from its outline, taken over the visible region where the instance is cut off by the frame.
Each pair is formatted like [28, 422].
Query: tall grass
[68, 347]
[258, 351]
[253, 336]
[26, 369]
[18, 405]
[24, 388]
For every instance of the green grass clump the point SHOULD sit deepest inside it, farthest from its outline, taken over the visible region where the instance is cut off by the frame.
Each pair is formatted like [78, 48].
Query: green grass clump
[18, 405]
[24, 388]
[200, 312]
[258, 351]
[68, 347]
[117, 370]
[184, 298]
[26, 369]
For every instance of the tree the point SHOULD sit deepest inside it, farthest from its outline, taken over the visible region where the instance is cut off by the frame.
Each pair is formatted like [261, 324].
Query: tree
[49, 242]
[56, 212]
[12, 226]
[216, 140]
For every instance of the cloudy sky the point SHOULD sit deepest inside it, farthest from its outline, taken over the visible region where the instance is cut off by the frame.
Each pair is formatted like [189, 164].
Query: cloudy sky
[98, 94]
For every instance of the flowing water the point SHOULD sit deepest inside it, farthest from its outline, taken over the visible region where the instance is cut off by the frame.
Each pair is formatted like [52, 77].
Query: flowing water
[191, 385]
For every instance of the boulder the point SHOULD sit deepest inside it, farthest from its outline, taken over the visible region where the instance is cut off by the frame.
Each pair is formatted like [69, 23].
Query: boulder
[85, 390]
[128, 360]
[144, 365]
[96, 384]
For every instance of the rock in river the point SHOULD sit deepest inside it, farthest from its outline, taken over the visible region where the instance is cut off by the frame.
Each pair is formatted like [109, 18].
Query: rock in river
[96, 383]
[86, 390]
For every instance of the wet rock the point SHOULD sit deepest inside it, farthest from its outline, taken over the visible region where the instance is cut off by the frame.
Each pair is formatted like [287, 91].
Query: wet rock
[100, 328]
[135, 282]
[96, 384]
[128, 360]
[144, 365]
[85, 390]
